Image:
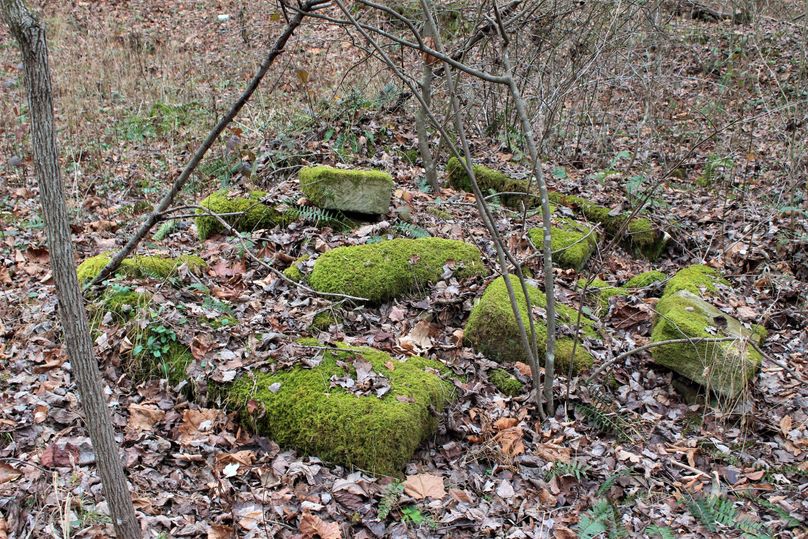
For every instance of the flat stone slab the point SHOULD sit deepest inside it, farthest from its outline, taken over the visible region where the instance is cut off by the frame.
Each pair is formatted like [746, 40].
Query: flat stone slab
[361, 191]
[493, 331]
[389, 269]
[359, 408]
[726, 368]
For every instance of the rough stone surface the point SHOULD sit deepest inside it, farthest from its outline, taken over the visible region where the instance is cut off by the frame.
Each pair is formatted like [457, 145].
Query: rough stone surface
[493, 331]
[361, 191]
[726, 368]
[301, 408]
[385, 270]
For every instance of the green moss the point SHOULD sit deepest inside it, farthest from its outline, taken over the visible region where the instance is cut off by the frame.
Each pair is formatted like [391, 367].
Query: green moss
[295, 271]
[725, 367]
[363, 191]
[159, 267]
[489, 179]
[505, 382]
[642, 237]
[645, 279]
[253, 214]
[389, 269]
[124, 303]
[300, 409]
[439, 213]
[696, 279]
[492, 329]
[573, 242]
[322, 321]
[224, 321]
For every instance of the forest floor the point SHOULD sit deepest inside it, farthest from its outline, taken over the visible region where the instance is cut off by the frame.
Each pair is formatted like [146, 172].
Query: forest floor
[138, 85]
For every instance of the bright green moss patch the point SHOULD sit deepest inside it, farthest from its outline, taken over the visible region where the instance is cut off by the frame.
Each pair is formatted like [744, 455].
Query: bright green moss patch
[295, 271]
[641, 235]
[696, 279]
[647, 278]
[252, 214]
[322, 321]
[505, 382]
[493, 331]
[124, 303]
[389, 269]
[726, 368]
[299, 408]
[159, 267]
[489, 180]
[573, 242]
[362, 191]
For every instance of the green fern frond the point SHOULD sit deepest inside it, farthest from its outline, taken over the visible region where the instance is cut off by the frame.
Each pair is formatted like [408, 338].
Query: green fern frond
[164, 230]
[410, 230]
[573, 468]
[601, 518]
[312, 214]
[390, 498]
[607, 485]
[662, 531]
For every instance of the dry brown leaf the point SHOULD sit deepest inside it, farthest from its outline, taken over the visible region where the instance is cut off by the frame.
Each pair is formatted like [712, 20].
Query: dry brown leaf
[524, 369]
[313, 526]
[786, 424]
[504, 423]
[8, 473]
[553, 453]
[219, 531]
[143, 417]
[424, 485]
[510, 441]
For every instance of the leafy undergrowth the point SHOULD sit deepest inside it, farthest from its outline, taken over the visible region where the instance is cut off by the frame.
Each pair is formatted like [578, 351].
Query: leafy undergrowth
[627, 453]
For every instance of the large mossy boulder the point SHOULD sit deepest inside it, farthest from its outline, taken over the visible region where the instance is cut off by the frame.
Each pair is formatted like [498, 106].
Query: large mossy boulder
[311, 410]
[389, 269]
[489, 180]
[641, 235]
[360, 191]
[493, 331]
[159, 267]
[244, 214]
[573, 242]
[727, 367]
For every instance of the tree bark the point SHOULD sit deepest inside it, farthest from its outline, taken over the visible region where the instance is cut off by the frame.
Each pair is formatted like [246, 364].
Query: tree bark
[30, 35]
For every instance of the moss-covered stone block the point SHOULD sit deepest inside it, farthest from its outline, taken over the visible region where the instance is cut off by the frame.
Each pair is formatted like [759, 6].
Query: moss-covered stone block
[159, 267]
[505, 382]
[646, 279]
[244, 214]
[489, 179]
[361, 191]
[390, 269]
[573, 242]
[493, 331]
[697, 279]
[726, 368]
[302, 409]
[641, 236]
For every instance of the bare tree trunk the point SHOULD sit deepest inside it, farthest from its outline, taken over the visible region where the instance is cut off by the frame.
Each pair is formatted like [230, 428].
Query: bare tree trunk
[30, 35]
[421, 126]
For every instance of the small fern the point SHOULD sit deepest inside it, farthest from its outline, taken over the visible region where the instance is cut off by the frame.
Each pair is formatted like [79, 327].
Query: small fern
[313, 214]
[165, 229]
[573, 468]
[410, 230]
[607, 485]
[601, 518]
[606, 421]
[389, 501]
[663, 532]
[713, 511]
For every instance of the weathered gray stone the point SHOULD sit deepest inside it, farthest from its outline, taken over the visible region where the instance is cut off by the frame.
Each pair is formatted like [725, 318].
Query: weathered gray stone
[361, 191]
